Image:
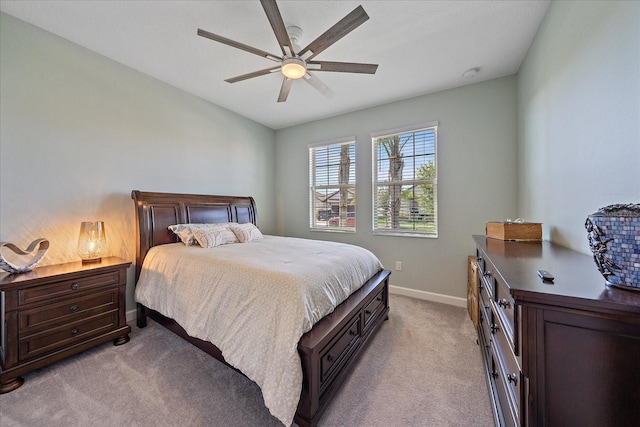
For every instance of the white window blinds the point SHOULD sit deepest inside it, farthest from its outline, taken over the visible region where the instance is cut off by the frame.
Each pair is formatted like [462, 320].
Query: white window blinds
[405, 181]
[332, 182]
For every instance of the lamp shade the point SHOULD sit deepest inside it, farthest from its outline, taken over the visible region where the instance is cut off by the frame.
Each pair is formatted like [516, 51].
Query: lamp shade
[92, 241]
[293, 68]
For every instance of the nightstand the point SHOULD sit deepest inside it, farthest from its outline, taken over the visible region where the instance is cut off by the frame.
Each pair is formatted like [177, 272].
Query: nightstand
[56, 311]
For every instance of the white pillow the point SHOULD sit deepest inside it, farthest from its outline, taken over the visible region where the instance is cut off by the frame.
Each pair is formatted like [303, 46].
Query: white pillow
[212, 235]
[246, 232]
[185, 233]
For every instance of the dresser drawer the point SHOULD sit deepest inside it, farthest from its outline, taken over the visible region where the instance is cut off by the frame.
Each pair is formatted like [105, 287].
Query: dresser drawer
[486, 279]
[68, 287]
[480, 261]
[509, 367]
[63, 336]
[485, 321]
[503, 382]
[504, 305]
[339, 349]
[69, 310]
[375, 307]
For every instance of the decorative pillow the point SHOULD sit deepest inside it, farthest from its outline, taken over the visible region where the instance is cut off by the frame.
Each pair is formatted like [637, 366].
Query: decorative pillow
[246, 232]
[185, 233]
[212, 235]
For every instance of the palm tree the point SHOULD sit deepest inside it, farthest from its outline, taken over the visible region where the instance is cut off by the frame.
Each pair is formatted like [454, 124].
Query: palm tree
[345, 166]
[393, 147]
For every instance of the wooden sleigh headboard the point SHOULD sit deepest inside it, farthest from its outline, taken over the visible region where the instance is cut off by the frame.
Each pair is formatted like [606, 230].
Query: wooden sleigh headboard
[156, 211]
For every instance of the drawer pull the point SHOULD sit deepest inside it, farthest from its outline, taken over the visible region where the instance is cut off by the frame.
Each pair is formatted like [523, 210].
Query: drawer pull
[512, 378]
[494, 328]
[503, 303]
[74, 331]
[352, 333]
[367, 312]
[74, 308]
[75, 286]
[329, 358]
[487, 273]
[379, 299]
[494, 374]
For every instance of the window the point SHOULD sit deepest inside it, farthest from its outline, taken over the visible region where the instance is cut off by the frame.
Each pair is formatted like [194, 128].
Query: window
[405, 181]
[332, 182]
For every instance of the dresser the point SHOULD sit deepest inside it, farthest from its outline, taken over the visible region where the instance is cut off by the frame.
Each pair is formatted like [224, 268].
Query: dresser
[563, 353]
[56, 311]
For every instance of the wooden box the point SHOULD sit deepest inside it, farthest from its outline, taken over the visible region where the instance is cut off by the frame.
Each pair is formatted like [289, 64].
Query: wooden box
[514, 230]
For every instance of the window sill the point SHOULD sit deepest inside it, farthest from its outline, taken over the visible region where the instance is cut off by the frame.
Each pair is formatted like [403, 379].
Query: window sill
[404, 234]
[334, 230]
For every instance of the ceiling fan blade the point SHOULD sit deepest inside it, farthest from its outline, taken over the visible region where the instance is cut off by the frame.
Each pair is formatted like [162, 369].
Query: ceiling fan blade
[335, 33]
[343, 67]
[317, 83]
[238, 45]
[254, 74]
[284, 89]
[275, 19]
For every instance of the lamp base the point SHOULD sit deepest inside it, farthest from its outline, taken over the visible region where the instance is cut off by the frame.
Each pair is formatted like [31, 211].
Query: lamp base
[92, 260]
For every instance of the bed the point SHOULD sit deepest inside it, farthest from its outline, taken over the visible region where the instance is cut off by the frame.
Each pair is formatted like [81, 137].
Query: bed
[327, 352]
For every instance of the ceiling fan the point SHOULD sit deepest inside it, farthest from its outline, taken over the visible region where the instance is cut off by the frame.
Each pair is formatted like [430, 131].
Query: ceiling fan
[297, 65]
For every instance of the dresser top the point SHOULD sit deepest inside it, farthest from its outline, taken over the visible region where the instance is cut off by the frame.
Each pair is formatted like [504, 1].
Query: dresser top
[577, 279]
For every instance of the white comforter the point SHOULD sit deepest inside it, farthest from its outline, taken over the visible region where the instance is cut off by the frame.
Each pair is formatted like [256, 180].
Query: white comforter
[255, 300]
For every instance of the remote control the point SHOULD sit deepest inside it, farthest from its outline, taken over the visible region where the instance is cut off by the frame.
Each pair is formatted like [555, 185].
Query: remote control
[545, 275]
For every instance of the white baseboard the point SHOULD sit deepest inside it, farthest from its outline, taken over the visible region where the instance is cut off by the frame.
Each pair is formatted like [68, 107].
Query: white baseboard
[132, 316]
[429, 296]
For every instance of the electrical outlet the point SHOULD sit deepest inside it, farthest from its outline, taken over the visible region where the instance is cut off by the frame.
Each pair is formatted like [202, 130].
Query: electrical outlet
[398, 265]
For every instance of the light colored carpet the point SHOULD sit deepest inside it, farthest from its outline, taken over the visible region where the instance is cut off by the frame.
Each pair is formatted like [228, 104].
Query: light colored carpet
[422, 369]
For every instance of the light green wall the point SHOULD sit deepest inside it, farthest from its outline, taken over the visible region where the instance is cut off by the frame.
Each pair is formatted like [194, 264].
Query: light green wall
[476, 178]
[579, 116]
[79, 132]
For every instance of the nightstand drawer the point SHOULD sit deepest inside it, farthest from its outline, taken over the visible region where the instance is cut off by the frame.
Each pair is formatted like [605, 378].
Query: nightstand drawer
[40, 318]
[53, 290]
[63, 336]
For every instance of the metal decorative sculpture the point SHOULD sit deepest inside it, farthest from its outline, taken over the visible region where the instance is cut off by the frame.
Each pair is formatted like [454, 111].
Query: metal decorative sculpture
[598, 244]
[8, 266]
[614, 239]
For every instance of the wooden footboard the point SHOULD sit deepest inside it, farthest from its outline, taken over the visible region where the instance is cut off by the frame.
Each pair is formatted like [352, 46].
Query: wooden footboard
[330, 350]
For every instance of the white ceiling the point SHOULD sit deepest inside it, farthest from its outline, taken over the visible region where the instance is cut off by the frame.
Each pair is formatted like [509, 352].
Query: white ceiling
[420, 46]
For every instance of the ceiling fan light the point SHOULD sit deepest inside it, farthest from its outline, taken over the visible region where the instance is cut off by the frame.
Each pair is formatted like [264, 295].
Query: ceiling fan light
[293, 68]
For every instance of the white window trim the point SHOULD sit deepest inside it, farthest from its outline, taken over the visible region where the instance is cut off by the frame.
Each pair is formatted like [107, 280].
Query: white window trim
[412, 128]
[320, 144]
[399, 233]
